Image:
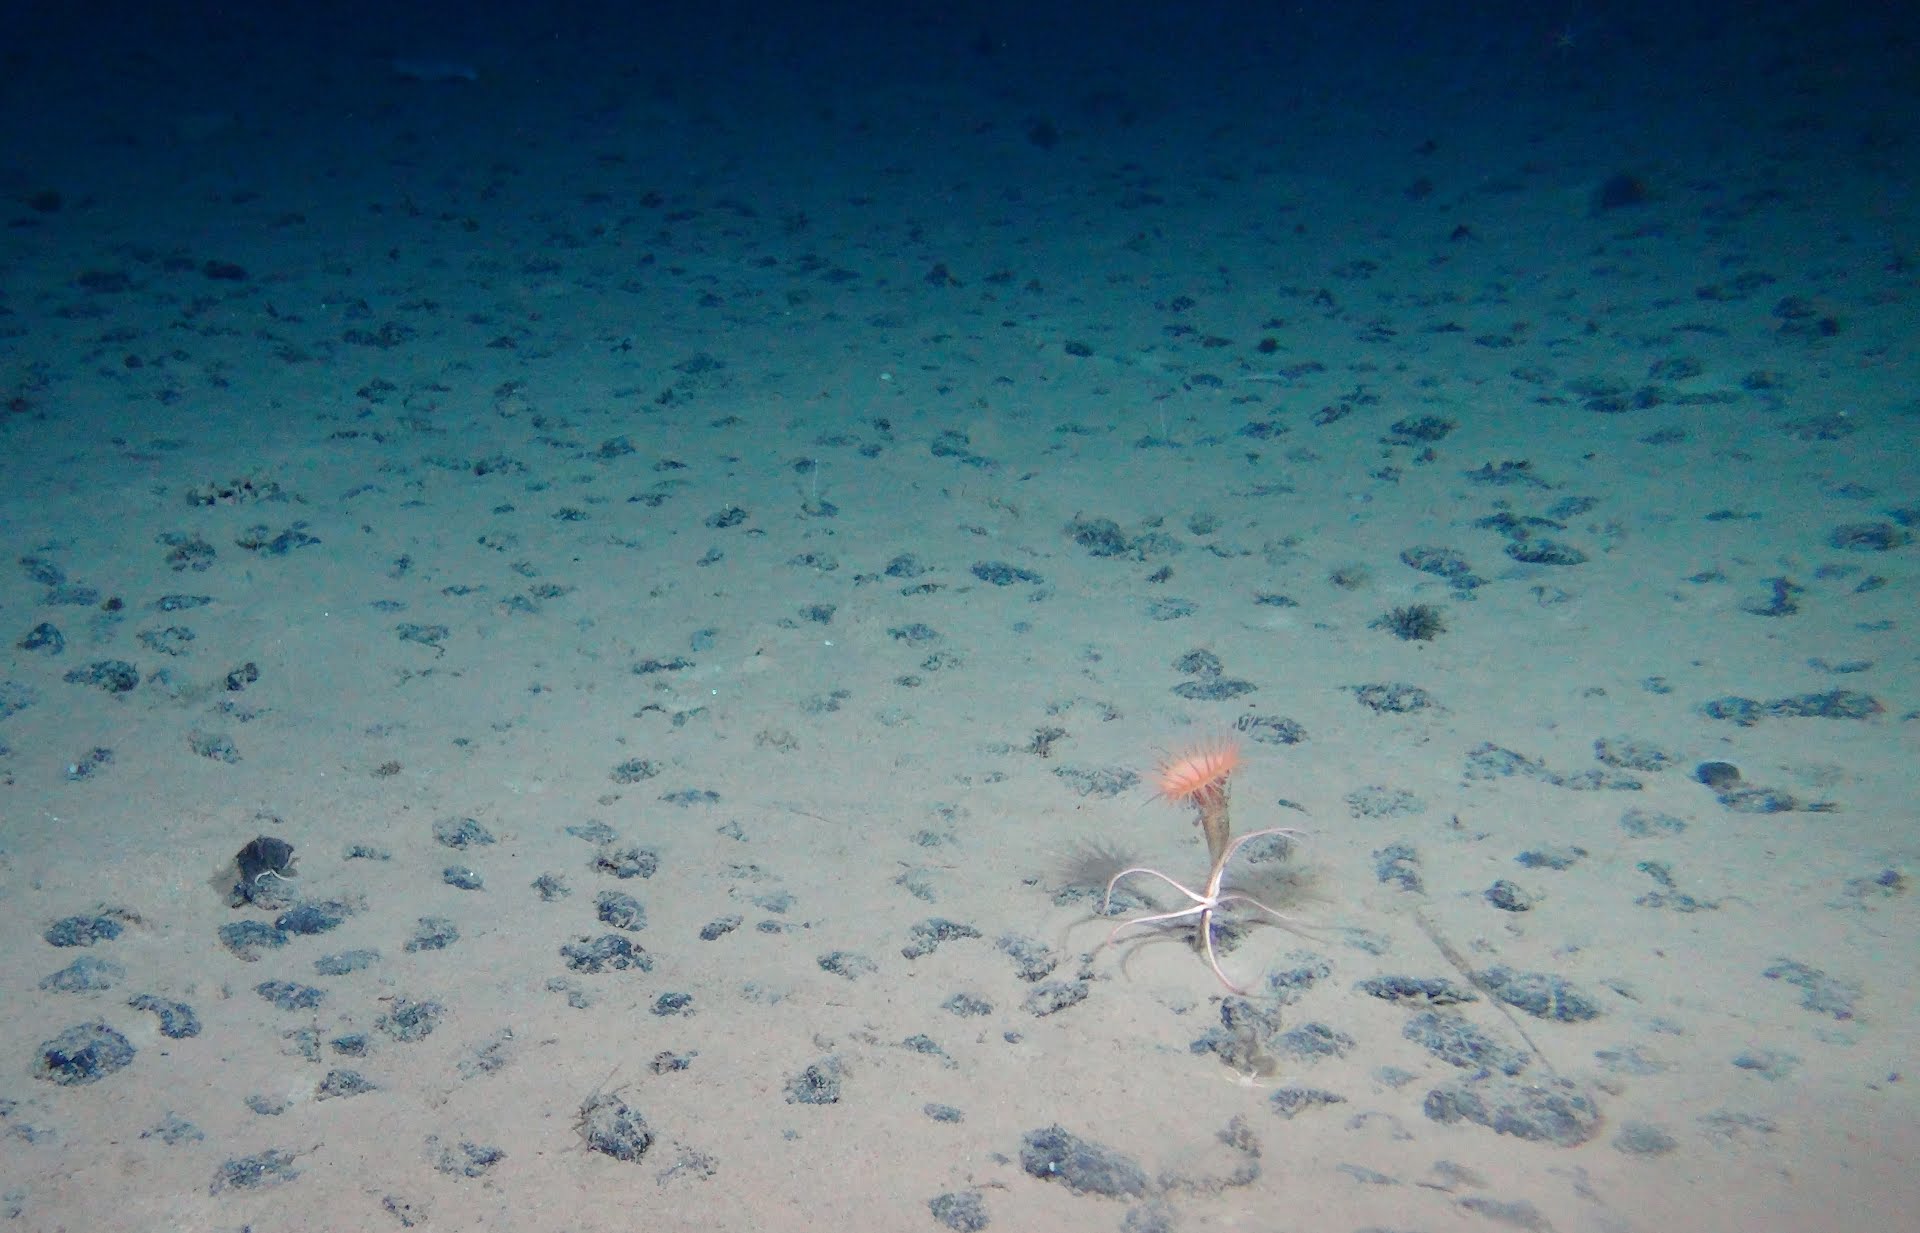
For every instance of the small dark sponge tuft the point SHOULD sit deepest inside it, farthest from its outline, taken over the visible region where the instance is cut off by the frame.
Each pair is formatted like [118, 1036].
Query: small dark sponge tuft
[1414, 623]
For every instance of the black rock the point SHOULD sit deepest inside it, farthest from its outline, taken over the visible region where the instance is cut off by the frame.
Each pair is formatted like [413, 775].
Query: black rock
[627, 862]
[85, 975]
[1541, 994]
[269, 1168]
[407, 1020]
[963, 1212]
[247, 938]
[1001, 574]
[432, 933]
[612, 1128]
[620, 910]
[311, 918]
[818, 1084]
[461, 833]
[177, 1020]
[85, 1053]
[1509, 897]
[930, 933]
[288, 995]
[1393, 699]
[82, 930]
[1398, 864]
[607, 953]
[1819, 992]
[1619, 191]
[1054, 996]
[1425, 990]
[264, 857]
[343, 1083]
[1555, 1113]
[1291, 1102]
[1079, 1165]
[44, 637]
[1100, 536]
[1458, 1042]
[1219, 690]
[116, 676]
[346, 961]
[1717, 775]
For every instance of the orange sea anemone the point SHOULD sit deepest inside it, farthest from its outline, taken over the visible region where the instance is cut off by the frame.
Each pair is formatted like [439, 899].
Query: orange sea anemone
[1199, 775]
